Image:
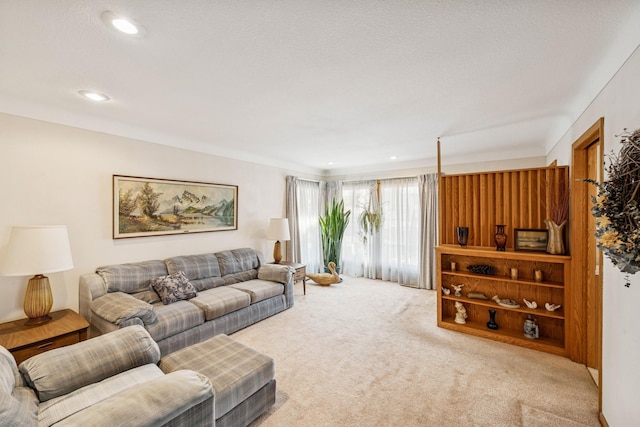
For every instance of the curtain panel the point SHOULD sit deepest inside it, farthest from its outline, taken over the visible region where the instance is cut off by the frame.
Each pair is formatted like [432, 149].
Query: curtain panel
[360, 256]
[400, 233]
[428, 188]
[303, 210]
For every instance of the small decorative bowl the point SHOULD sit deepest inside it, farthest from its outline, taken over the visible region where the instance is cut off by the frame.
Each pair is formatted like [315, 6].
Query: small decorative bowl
[487, 270]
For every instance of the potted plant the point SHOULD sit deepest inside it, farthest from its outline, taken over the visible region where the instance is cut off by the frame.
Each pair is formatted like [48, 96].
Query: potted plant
[332, 227]
[370, 221]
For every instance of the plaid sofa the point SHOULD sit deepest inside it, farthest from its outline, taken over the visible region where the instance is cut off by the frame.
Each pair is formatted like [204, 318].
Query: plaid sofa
[235, 289]
[111, 380]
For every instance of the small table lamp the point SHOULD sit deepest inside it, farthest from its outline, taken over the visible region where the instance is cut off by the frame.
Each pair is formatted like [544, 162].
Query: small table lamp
[278, 230]
[37, 250]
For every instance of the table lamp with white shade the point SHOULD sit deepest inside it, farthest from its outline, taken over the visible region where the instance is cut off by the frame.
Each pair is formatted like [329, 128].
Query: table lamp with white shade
[37, 250]
[278, 231]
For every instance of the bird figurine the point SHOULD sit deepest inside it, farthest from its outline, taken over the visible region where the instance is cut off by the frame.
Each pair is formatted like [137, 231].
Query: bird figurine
[530, 304]
[551, 307]
[326, 279]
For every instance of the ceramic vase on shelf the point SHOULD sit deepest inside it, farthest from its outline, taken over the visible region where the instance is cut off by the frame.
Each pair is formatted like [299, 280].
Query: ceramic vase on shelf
[555, 240]
[463, 236]
[500, 238]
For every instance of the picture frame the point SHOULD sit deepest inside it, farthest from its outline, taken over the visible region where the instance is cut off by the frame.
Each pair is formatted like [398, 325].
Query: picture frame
[530, 239]
[144, 207]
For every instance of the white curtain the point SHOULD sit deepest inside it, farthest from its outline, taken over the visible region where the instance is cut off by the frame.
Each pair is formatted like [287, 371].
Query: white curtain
[303, 211]
[428, 187]
[358, 257]
[403, 250]
[400, 234]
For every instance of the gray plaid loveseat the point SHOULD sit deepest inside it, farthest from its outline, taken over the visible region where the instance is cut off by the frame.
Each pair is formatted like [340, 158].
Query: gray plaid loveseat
[235, 289]
[111, 380]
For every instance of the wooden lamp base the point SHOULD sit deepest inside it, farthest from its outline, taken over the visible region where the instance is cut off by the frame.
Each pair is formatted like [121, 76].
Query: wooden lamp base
[38, 300]
[277, 253]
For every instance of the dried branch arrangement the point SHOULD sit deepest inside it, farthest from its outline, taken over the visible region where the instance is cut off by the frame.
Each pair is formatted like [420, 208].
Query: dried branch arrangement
[617, 206]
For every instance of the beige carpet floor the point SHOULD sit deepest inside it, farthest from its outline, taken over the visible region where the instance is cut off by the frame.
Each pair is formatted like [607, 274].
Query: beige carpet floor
[369, 353]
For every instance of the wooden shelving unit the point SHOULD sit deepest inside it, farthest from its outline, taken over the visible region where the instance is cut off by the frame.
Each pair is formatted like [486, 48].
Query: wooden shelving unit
[556, 275]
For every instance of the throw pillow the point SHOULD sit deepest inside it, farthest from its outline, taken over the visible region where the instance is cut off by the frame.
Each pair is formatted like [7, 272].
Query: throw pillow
[174, 287]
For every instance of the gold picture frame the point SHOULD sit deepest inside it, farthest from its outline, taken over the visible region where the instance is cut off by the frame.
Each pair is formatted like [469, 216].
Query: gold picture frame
[144, 207]
[530, 239]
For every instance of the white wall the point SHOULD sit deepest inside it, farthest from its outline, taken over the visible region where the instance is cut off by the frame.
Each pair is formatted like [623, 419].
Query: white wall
[618, 104]
[53, 174]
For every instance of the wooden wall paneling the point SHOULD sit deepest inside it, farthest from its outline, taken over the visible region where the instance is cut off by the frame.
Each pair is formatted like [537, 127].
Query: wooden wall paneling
[466, 198]
[491, 201]
[477, 207]
[499, 208]
[518, 199]
[514, 212]
[484, 204]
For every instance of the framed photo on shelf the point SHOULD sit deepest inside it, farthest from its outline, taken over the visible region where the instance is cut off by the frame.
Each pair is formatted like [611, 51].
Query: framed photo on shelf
[530, 239]
[153, 207]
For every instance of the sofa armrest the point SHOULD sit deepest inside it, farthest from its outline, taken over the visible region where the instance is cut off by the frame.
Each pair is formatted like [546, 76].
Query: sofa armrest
[118, 307]
[63, 370]
[91, 286]
[180, 398]
[276, 273]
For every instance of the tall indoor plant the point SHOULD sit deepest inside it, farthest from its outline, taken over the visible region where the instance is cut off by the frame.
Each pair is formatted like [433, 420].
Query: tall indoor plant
[332, 227]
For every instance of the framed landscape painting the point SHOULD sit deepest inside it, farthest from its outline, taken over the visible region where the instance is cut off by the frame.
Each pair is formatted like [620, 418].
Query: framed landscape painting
[526, 239]
[153, 207]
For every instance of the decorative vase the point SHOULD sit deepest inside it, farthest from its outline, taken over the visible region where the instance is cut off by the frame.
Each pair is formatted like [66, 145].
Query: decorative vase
[463, 236]
[555, 240]
[500, 238]
[491, 324]
[531, 329]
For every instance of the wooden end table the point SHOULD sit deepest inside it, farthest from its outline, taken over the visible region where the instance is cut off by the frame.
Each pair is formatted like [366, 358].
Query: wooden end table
[66, 328]
[300, 274]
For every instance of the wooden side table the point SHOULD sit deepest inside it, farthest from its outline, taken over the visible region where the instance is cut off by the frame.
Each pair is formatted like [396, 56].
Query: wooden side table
[300, 274]
[66, 328]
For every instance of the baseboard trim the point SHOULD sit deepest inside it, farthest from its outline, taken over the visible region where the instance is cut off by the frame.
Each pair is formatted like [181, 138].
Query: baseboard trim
[603, 420]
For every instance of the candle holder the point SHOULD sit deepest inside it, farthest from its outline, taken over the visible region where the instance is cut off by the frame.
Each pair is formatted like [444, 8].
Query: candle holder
[537, 275]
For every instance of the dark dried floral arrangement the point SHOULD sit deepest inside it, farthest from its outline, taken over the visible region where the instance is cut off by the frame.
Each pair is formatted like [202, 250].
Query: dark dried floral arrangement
[617, 206]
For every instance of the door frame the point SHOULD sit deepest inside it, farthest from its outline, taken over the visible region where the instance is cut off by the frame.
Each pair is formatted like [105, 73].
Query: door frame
[579, 238]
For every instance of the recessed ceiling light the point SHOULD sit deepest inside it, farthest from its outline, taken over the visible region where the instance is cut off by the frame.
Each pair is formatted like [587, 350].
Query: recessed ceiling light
[392, 158]
[330, 163]
[123, 24]
[93, 95]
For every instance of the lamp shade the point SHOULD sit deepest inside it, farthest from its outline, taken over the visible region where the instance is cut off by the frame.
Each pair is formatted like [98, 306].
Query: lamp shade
[37, 250]
[278, 229]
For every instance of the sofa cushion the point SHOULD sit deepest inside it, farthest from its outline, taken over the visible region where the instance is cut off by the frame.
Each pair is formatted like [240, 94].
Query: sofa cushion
[61, 407]
[276, 272]
[8, 371]
[131, 278]
[208, 283]
[237, 260]
[117, 307]
[195, 267]
[219, 301]
[14, 413]
[150, 296]
[260, 289]
[175, 318]
[177, 399]
[173, 287]
[63, 370]
[241, 276]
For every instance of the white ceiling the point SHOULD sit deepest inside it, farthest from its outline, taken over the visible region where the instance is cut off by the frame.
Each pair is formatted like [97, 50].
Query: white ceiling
[299, 83]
